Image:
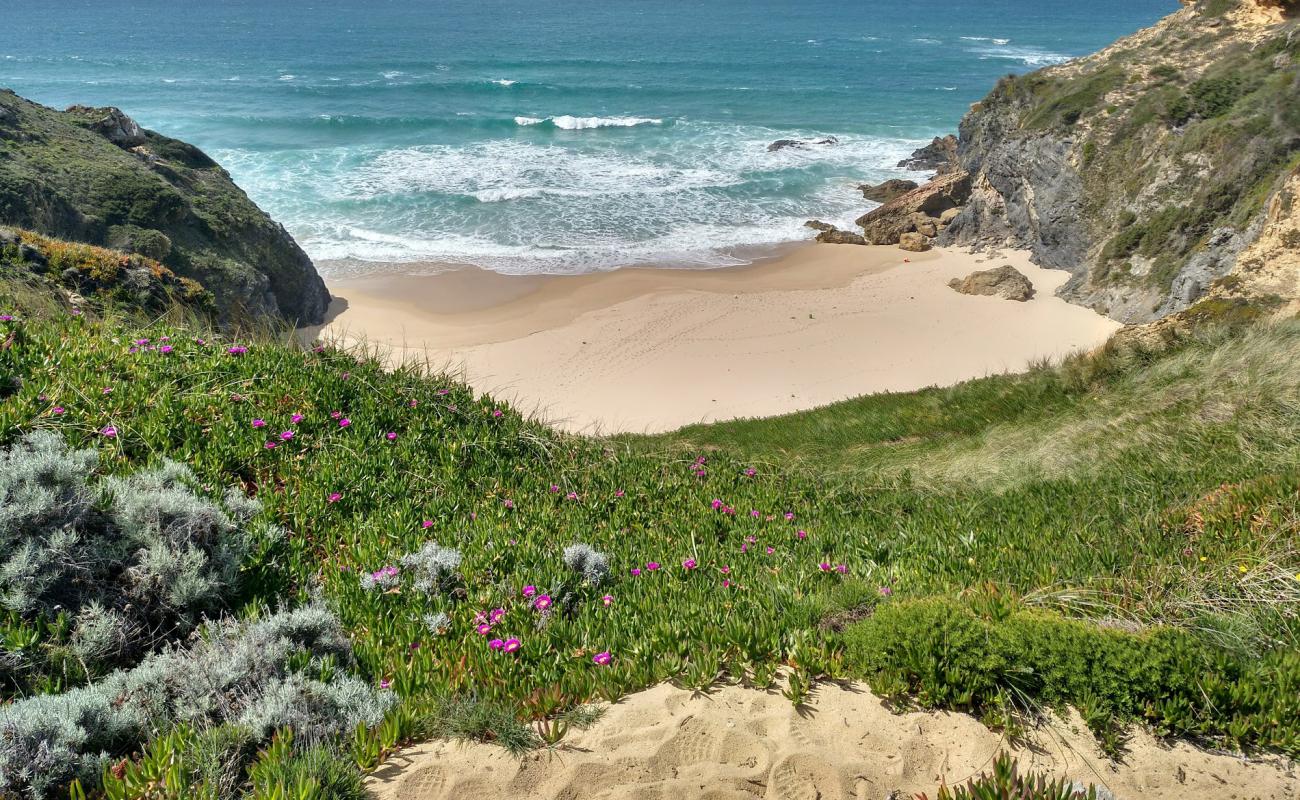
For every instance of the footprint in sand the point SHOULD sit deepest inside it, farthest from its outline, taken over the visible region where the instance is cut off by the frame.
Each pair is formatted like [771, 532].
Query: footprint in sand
[425, 783]
[805, 777]
[700, 742]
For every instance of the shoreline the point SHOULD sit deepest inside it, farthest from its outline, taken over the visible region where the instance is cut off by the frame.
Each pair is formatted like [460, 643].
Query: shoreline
[652, 349]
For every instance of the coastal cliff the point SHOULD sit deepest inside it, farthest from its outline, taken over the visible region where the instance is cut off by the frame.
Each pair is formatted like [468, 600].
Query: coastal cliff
[92, 175]
[1152, 169]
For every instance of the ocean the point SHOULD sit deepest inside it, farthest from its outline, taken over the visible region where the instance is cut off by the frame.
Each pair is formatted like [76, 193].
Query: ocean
[550, 136]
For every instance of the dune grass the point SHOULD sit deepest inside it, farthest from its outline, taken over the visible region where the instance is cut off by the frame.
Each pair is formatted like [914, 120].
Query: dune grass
[1146, 490]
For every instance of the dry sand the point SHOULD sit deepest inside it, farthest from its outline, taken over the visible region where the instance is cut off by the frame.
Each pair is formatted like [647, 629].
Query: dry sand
[737, 744]
[648, 350]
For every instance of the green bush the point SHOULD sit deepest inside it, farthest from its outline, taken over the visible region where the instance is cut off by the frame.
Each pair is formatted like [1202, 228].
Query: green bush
[944, 655]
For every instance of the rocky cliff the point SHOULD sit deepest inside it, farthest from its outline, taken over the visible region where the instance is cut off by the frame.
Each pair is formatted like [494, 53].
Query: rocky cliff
[1150, 170]
[93, 175]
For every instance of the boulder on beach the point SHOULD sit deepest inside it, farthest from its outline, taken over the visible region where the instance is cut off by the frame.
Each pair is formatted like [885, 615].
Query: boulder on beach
[818, 225]
[1005, 281]
[886, 224]
[913, 242]
[837, 236]
[948, 216]
[888, 190]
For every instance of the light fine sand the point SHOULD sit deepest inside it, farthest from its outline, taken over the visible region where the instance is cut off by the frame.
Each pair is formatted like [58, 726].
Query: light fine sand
[648, 350]
[738, 744]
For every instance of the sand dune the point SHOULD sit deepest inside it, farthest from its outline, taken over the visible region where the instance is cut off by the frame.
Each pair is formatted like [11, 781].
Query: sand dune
[740, 744]
[647, 350]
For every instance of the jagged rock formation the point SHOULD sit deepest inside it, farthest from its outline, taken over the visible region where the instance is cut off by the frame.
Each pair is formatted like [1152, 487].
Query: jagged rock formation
[1149, 170]
[1005, 281]
[939, 157]
[93, 175]
[918, 210]
[884, 192]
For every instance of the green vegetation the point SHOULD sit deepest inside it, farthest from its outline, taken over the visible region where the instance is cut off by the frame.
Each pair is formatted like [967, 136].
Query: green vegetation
[493, 577]
[1006, 783]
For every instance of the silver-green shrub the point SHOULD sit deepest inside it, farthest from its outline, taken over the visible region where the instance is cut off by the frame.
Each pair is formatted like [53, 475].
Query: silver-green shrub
[588, 562]
[137, 560]
[235, 673]
[432, 568]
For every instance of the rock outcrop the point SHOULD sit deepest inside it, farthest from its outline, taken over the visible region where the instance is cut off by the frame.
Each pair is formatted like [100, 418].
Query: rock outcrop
[1005, 281]
[939, 156]
[921, 206]
[884, 192]
[92, 175]
[1147, 170]
[799, 144]
[914, 242]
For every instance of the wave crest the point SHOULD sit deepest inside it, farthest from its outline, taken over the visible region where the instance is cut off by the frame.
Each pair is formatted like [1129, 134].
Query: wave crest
[570, 123]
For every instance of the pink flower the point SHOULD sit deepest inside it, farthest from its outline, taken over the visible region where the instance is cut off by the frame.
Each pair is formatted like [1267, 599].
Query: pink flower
[269, 445]
[619, 493]
[802, 535]
[652, 566]
[572, 496]
[414, 403]
[542, 603]
[509, 503]
[496, 615]
[885, 591]
[335, 497]
[335, 414]
[635, 571]
[529, 591]
[57, 410]
[824, 567]
[237, 350]
[789, 516]
[107, 390]
[390, 436]
[602, 659]
[259, 423]
[496, 644]
[726, 584]
[725, 570]
[555, 489]
[165, 349]
[385, 683]
[286, 435]
[771, 550]
[512, 645]
[842, 569]
[484, 629]
[343, 423]
[753, 512]
[751, 472]
[607, 600]
[444, 392]
[428, 523]
[109, 431]
[496, 413]
[688, 564]
[296, 418]
[717, 504]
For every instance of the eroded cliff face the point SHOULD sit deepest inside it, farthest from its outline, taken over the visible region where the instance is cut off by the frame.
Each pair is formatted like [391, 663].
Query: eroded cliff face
[93, 175]
[1149, 170]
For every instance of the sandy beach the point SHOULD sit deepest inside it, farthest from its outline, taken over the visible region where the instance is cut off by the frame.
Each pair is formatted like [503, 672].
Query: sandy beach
[742, 744]
[648, 350]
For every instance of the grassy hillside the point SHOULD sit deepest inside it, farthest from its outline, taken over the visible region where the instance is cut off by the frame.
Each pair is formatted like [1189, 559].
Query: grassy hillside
[1155, 493]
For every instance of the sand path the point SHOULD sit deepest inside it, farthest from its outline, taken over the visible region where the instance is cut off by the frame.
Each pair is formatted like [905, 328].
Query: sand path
[648, 350]
[737, 744]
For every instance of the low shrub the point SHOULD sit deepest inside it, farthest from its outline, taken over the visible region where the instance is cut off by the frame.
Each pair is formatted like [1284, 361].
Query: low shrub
[258, 676]
[942, 654]
[1006, 783]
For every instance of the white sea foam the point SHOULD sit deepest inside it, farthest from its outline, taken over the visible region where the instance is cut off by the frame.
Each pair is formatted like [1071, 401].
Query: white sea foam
[287, 77]
[529, 120]
[1001, 41]
[1027, 55]
[571, 123]
[393, 73]
[504, 82]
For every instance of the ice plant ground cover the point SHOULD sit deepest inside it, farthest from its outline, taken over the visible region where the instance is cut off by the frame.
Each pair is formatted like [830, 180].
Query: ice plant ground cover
[488, 569]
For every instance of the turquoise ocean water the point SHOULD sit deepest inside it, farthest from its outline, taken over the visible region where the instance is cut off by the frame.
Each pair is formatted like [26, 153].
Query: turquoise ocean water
[545, 136]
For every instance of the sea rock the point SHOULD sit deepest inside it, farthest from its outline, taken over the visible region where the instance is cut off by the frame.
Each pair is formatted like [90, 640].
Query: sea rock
[913, 242]
[885, 224]
[781, 144]
[948, 216]
[837, 236]
[939, 155]
[112, 124]
[1005, 281]
[884, 192]
[818, 225]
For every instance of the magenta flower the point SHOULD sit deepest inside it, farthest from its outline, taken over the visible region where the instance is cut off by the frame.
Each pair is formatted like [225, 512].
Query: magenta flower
[496, 413]
[555, 489]
[385, 683]
[343, 423]
[602, 659]
[141, 342]
[509, 503]
[635, 571]
[296, 418]
[572, 496]
[607, 600]
[824, 567]
[529, 591]
[107, 390]
[652, 566]
[751, 472]
[726, 584]
[165, 349]
[496, 615]
[57, 410]
[688, 564]
[496, 644]
[237, 350]
[259, 423]
[484, 629]
[443, 392]
[269, 445]
[335, 497]
[725, 570]
[771, 550]
[286, 435]
[885, 591]
[512, 645]
[335, 414]
[753, 512]
[842, 569]
[414, 403]
[428, 523]
[109, 431]
[619, 493]
[717, 504]
[802, 535]
[390, 436]
[542, 603]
